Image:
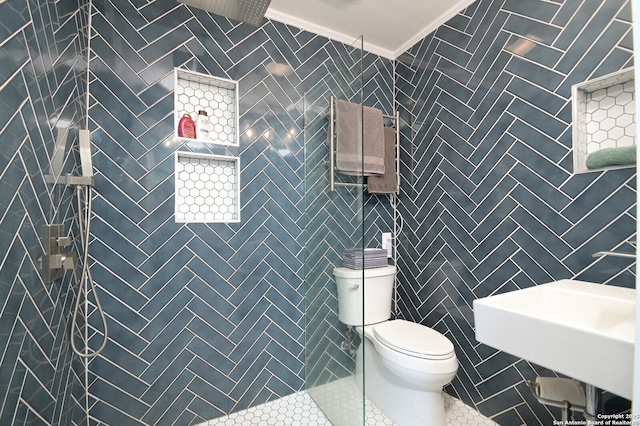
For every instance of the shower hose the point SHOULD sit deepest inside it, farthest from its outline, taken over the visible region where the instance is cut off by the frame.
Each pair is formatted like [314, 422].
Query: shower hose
[83, 196]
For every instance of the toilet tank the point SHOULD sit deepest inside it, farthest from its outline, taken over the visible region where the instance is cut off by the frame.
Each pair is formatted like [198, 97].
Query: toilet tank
[376, 292]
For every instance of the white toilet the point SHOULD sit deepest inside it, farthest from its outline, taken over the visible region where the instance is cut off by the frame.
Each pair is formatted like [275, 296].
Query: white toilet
[407, 364]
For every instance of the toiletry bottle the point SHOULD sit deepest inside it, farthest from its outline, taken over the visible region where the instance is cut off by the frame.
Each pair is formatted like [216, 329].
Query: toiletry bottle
[186, 127]
[203, 126]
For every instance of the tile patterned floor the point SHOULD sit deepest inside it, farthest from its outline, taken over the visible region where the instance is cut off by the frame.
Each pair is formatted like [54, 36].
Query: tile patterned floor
[300, 409]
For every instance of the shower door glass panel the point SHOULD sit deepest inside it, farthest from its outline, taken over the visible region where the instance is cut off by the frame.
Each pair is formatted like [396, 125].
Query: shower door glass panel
[334, 221]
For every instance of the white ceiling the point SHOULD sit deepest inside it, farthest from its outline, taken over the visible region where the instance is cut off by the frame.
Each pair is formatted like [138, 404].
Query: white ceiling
[389, 27]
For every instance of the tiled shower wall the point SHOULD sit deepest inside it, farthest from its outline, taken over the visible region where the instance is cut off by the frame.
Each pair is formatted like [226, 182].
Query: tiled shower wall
[42, 73]
[204, 319]
[490, 202]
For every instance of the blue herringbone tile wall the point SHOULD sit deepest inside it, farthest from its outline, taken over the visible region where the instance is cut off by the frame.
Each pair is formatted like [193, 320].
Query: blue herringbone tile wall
[491, 203]
[204, 319]
[41, 94]
[208, 319]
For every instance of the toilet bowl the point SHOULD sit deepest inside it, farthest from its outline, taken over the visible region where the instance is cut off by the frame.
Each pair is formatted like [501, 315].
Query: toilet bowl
[407, 364]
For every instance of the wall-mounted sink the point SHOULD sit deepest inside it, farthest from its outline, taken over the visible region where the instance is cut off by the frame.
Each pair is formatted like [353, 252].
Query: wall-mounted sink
[579, 329]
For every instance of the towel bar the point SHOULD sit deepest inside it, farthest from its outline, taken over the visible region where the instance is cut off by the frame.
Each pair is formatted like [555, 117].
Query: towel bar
[332, 148]
[614, 254]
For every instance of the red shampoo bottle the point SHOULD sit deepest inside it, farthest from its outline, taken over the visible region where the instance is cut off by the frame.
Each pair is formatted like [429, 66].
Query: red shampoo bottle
[186, 127]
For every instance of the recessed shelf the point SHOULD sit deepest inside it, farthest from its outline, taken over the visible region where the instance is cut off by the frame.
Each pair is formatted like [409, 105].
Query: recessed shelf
[207, 188]
[604, 116]
[217, 96]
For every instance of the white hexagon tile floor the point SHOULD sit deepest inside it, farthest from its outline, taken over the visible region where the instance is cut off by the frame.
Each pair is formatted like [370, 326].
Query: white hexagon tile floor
[301, 409]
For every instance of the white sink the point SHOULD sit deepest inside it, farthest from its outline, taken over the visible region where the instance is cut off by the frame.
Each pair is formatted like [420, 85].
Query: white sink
[580, 329]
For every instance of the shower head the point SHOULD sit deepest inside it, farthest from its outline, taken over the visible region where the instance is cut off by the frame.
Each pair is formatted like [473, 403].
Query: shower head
[85, 153]
[249, 11]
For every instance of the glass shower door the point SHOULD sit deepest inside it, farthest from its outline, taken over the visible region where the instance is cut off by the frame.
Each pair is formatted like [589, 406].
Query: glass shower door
[334, 221]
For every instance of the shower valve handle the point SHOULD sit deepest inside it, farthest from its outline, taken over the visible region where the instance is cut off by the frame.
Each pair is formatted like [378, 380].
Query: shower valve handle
[62, 261]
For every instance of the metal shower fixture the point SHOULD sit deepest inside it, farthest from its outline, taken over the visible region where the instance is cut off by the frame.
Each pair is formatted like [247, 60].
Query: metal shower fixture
[249, 11]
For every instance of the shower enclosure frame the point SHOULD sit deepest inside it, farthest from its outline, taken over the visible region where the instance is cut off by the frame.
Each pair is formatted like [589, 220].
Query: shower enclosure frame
[334, 221]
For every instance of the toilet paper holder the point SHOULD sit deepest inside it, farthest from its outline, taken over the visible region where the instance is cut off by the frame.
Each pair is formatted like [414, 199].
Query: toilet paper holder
[567, 394]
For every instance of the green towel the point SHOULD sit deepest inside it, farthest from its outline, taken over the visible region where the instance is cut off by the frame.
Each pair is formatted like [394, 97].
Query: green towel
[612, 157]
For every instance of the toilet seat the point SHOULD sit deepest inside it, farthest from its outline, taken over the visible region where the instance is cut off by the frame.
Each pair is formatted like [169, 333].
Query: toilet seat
[414, 340]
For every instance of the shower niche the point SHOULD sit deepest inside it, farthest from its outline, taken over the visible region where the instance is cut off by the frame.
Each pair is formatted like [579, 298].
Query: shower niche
[218, 97]
[207, 188]
[604, 117]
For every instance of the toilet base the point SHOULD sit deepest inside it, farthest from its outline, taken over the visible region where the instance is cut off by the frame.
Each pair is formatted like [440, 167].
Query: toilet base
[400, 401]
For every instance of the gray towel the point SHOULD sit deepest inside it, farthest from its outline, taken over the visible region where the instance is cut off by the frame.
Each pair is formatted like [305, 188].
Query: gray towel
[387, 183]
[607, 157]
[349, 141]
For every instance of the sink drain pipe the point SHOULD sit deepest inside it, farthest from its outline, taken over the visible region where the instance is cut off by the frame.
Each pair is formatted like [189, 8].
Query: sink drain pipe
[594, 402]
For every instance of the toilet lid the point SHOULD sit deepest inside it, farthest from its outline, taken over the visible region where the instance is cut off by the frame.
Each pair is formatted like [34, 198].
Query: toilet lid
[413, 339]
